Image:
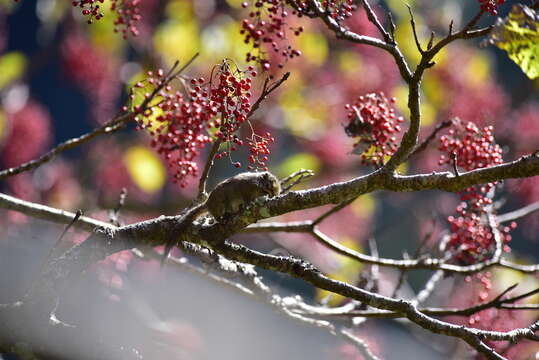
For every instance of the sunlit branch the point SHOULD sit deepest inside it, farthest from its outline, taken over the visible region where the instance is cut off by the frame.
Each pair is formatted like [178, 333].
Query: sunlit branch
[289, 182]
[371, 15]
[307, 272]
[498, 302]
[112, 126]
[429, 287]
[517, 214]
[43, 212]
[109, 128]
[414, 30]
[410, 138]
[292, 226]
[343, 33]
[253, 287]
[425, 143]
[159, 230]
[360, 345]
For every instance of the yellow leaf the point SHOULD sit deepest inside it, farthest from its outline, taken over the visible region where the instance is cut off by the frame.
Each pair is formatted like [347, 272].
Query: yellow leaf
[12, 65]
[145, 168]
[180, 10]
[177, 40]
[222, 39]
[518, 35]
[402, 169]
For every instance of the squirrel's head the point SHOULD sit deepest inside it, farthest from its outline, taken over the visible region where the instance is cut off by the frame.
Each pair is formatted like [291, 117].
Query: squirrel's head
[270, 184]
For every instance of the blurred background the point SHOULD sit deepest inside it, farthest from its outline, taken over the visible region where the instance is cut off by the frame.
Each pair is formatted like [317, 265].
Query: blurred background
[61, 77]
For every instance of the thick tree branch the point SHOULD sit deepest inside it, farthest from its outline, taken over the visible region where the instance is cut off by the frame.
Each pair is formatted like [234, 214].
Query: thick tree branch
[156, 231]
[300, 269]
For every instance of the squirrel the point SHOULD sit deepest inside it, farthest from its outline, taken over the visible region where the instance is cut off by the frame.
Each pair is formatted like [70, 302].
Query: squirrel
[230, 197]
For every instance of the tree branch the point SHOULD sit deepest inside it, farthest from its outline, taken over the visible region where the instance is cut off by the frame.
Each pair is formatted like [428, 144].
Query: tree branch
[266, 90]
[520, 213]
[43, 212]
[110, 127]
[343, 33]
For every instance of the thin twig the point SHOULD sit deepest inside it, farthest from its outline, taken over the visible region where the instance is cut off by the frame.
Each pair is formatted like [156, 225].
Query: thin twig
[43, 212]
[417, 254]
[431, 41]
[371, 15]
[520, 213]
[207, 168]
[301, 174]
[332, 211]
[344, 33]
[266, 90]
[287, 179]
[77, 216]
[453, 157]
[375, 269]
[392, 26]
[414, 30]
[110, 127]
[114, 216]
[420, 147]
[361, 345]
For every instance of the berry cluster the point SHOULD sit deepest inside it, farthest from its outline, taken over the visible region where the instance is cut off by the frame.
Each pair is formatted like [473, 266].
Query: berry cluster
[490, 6]
[472, 239]
[470, 148]
[89, 8]
[267, 24]
[182, 123]
[128, 13]
[372, 119]
[339, 9]
[259, 151]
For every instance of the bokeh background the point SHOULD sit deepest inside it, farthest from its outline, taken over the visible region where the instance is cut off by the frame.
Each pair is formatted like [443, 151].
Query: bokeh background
[60, 78]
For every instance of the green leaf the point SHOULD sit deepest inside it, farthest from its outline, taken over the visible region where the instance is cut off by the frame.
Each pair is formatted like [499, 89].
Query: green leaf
[518, 35]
